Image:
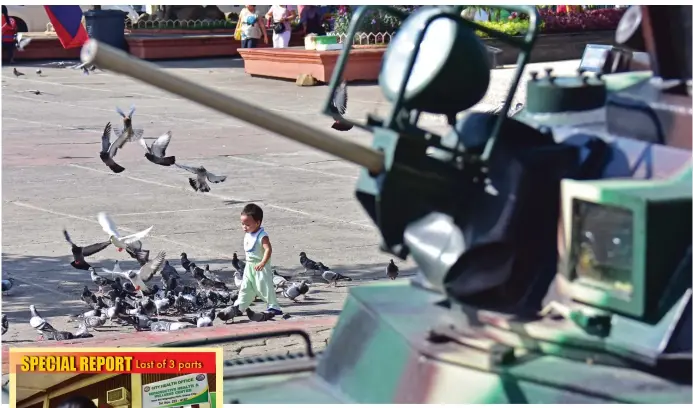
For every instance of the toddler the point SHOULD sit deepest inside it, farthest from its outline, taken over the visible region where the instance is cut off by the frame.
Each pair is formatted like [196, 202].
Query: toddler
[257, 276]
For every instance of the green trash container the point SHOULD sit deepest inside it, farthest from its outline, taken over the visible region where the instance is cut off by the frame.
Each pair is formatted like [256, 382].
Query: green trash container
[107, 26]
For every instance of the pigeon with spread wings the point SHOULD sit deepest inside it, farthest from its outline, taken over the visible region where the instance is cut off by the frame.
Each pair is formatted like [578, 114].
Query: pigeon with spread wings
[79, 253]
[130, 241]
[108, 150]
[338, 108]
[145, 273]
[156, 153]
[200, 183]
[127, 133]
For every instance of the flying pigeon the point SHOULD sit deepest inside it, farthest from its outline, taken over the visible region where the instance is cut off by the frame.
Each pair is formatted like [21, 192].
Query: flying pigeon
[22, 42]
[132, 240]
[108, 150]
[145, 273]
[100, 281]
[17, 73]
[127, 133]
[157, 152]
[200, 184]
[338, 108]
[7, 284]
[79, 253]
[141, 256]
[392, 270]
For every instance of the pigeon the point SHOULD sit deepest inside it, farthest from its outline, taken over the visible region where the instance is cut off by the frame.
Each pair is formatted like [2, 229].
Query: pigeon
[95, 321]
[163, 304]
[39, 324]
[5, 324]
[88, 297]
[22, 42]
[39, 72]
[332, 277]
[37, 92]
[156, 153]
[127, 133]
[85, 71]
[238, 265]
[307, 263]
[7, 284]
[204, 319]
[17, 73]
[229, 313]
[79, 253]
[163, 326]
[96, 311]
[204, 281]
[275, 273]
[81, 333]
[279, 282]
[132, 241]
[141, 256]
[185, 262]
[238, 279]
[392, 270]
[200, 183]
[145, 273]
[296, 289]
[338, 108]
[108, 150]
[168, 273]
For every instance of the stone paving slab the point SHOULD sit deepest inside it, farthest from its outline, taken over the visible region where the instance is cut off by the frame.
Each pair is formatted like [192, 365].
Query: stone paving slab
[53, 178]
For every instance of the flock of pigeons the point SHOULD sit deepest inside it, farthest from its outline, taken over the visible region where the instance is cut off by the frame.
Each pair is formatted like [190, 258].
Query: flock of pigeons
[130, 298]
[155, 153]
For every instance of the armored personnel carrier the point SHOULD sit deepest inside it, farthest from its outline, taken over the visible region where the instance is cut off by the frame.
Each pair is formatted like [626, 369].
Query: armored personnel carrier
[554, 246]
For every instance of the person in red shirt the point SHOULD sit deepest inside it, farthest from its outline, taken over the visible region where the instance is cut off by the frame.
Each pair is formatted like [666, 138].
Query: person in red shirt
[9, 32]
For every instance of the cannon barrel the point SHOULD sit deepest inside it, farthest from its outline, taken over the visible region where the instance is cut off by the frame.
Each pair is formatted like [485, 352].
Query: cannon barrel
[107, 57]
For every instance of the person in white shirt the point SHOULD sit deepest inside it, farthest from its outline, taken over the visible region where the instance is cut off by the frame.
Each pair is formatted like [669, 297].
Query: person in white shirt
[281, 17]
[252, 27]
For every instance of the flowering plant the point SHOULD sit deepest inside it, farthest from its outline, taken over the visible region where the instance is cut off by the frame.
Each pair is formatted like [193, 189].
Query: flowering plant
[377, 21]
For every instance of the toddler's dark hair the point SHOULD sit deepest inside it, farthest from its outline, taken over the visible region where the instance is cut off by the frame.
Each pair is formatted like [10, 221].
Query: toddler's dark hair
[253, 210]
[78, 401]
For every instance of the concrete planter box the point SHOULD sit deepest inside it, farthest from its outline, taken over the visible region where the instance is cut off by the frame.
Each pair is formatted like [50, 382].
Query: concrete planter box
[288, 63]
[554, 47]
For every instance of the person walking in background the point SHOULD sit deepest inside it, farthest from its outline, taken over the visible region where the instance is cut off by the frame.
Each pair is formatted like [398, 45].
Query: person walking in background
[252, 27]
[9, 32]
[281, 17]
[311, 20]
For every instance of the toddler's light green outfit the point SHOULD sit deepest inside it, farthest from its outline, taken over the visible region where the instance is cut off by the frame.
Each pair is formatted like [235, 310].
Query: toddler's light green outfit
[256, 283]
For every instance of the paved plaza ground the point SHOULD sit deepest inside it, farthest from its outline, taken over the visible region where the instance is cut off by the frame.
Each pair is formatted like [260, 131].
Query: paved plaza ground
[53, 179]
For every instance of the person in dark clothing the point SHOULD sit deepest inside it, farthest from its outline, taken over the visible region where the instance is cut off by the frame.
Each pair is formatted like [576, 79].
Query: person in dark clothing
[311, 19]
[77, 401]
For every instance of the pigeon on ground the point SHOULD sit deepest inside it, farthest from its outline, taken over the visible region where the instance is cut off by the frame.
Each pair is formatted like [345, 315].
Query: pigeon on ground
[238, 265]
[237, 279]
[5, 324]
[168, 272]
[200, 183]
[338, 108]
[296, 289]
[145, 273]
[164, 326]
[392, 270]
[204, 281]
[228, 313]
[204, 319]
[21, 43]
[156, 153]
[17, 73]
[39, 72]
[185, 262]
[131, 241]
[7, 284]
[95, 311]
[307, 263]
[100, 281]
[275, 273]
[332, 277]
[95, 321]
[279, 282]
[79, 253]
[39, 324]
[108, 150]
[85, 71]
[37, 92]
[88, 297]
[81, 333]
[165, 303]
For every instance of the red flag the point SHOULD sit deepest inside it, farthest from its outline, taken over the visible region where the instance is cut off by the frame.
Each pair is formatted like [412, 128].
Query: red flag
[67, 22]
